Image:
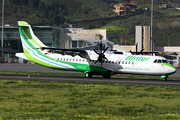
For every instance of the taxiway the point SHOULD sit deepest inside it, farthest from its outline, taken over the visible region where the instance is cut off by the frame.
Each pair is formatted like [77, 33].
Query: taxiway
[38, 68]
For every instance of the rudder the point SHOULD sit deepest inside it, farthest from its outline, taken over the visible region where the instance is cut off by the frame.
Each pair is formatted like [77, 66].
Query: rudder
[28, 38]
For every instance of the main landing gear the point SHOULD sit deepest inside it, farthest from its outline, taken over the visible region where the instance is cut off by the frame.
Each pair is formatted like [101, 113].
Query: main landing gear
[107, 76]
[90, 74]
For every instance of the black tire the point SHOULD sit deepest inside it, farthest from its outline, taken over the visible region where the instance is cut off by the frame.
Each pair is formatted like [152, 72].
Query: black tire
[88, 75]
[107, 76]
[164, 79]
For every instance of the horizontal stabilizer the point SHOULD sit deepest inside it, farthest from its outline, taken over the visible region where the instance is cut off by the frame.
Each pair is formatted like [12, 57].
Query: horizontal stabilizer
[21, 55]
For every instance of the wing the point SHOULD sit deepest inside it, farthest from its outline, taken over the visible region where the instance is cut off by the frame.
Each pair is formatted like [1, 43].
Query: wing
[72, 52]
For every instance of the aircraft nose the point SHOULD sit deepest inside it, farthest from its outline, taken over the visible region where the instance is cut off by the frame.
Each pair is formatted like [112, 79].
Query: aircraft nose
[172, 70]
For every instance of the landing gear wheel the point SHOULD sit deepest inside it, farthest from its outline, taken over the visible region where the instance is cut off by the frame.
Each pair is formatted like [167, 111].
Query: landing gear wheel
[88, 75]
[164, 79]
[107, 76]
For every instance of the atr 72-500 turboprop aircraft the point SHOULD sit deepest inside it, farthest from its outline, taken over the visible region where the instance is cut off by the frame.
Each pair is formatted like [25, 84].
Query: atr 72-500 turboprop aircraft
[90, 62]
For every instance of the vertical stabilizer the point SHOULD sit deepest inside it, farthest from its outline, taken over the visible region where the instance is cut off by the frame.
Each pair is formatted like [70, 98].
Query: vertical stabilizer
[28, 38]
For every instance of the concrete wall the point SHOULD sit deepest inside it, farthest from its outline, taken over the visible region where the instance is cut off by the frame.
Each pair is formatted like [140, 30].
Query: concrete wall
[138, 37]
[168, 49]
[66, 37]
[147, 37]
[88, 34]
[65, 41]
[143, 37]
[125, 47]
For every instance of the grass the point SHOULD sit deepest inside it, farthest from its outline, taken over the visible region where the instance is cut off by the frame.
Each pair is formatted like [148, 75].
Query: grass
[27, 99]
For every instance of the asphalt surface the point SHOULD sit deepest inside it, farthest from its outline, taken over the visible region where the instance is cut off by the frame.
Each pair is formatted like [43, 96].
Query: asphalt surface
[94, 79]
[38, 68]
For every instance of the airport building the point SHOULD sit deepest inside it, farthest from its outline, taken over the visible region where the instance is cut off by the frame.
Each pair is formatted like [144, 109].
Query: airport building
[51, 36]
[143, 38]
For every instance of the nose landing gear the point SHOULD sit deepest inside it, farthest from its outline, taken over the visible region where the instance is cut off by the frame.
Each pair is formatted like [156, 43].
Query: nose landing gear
[164, 77]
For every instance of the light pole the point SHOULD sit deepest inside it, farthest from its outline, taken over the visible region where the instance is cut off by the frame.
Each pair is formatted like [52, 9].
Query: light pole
[152, 38]
[2, 28]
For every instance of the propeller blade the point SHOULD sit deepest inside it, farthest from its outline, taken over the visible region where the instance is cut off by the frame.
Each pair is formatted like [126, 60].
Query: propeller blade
[96, 61]
[101, 63]
[96, 52]
[132, 52]
[105, 50]
[141, 51]
[101, 54]
[105, 59]
[136, 46]
[101, 46]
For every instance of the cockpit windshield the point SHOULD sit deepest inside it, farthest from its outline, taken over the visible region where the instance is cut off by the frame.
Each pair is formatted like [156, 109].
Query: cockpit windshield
[160, 61]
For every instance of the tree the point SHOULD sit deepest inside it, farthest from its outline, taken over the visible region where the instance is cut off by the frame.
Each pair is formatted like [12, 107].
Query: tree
[126, 3]
[33, 3]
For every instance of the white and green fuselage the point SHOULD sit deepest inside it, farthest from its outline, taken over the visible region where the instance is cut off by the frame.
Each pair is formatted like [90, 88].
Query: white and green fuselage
[116, 64]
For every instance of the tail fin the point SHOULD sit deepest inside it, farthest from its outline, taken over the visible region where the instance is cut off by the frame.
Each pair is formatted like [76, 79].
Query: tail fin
[28, 38]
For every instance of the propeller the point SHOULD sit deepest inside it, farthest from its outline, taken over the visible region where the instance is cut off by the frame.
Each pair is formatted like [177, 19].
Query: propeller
[137, 53]
[101, 54]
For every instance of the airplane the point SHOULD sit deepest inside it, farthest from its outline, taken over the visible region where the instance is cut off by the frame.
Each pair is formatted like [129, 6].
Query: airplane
[177, 60]
[90, 62]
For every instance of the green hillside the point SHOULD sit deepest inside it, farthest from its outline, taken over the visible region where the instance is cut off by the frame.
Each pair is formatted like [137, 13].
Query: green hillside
[77, 12]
